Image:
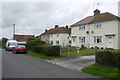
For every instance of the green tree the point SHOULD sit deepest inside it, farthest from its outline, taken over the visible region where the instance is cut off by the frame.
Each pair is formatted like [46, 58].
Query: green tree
[4, 40]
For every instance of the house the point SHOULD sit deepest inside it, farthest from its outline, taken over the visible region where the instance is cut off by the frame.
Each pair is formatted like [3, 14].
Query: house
[23, 38]
[56, 36]
[102, 30]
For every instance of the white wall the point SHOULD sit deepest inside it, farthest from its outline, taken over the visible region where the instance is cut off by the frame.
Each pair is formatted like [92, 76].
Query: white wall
[107, 27]
[62, 38]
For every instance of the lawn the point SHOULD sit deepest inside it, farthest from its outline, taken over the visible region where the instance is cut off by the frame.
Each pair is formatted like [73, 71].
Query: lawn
[74, 52]
[41, 55]
[103, 71]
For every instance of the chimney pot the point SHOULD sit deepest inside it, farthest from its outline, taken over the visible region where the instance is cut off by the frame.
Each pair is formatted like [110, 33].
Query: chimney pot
[45, 30]
[96, 12]
[56, 26]
[66, 26]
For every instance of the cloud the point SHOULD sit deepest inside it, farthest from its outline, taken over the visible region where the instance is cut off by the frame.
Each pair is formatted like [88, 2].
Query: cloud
[35, 17]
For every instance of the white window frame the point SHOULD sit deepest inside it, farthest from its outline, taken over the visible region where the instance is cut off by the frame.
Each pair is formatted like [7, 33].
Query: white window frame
[81, 27]
[97, 39]
[97, 25]
[82, 39]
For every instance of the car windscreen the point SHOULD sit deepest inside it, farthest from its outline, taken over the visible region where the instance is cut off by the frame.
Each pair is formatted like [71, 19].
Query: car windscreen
[21, 46]
[12, 44]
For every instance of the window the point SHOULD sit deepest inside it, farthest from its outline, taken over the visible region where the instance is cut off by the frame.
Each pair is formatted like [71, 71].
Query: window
[57, 42]
[97, 39]
[48, 36]
[82, 27]
[51, 35]
[97, 25]
[57, 35]
[82, 39]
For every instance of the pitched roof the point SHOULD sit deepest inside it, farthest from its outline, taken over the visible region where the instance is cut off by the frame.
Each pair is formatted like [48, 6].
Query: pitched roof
[23, 38]
[105, 17]
[57, 31]
[100, 18]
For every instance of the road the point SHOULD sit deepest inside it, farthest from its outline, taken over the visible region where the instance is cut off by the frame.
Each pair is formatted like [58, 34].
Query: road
[24, 66]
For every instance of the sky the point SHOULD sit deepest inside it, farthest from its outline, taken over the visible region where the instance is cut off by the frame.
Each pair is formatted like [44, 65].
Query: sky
[34, 16]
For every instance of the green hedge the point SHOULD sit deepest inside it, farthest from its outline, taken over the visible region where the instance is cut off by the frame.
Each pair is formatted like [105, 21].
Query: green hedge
[48, 50]
[32, 44]
[108, 58]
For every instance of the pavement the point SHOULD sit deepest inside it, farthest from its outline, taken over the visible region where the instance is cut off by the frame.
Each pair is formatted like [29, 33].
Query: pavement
[75, 63]
[24, 66]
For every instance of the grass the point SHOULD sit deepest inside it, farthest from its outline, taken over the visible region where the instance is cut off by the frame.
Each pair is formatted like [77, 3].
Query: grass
[103, 71]
[74, 52]
[39, 55]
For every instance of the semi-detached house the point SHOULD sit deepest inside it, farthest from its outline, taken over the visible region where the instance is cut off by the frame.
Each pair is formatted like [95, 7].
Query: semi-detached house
[56, 36]
[100, 30]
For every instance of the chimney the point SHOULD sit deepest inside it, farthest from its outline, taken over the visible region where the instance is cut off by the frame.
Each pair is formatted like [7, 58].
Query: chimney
[66, 26]
[56, 26]
[96, 12]
[45, 30]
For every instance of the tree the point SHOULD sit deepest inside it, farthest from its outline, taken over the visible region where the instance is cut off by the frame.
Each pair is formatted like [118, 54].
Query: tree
[4, 40]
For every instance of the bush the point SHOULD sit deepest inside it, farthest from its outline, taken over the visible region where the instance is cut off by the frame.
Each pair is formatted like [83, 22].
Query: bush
[4, 40]
[48, 50]
[32, 44]
[108, 58]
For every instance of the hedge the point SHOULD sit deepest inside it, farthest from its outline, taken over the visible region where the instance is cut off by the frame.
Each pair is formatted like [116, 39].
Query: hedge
[108, 58]
[32, 44]
[48, 50]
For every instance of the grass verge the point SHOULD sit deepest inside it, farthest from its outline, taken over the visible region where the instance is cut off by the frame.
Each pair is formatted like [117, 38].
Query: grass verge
[103, 71]
[41, 55]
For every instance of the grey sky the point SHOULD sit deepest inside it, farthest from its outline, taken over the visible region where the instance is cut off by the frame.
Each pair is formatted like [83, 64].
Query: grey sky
[35, 17]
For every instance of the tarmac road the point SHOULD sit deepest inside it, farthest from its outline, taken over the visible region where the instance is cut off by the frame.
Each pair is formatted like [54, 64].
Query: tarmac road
[24, 66]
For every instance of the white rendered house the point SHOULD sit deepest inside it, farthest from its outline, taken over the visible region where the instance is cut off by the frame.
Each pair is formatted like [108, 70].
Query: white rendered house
[56, 36]
[100, 30]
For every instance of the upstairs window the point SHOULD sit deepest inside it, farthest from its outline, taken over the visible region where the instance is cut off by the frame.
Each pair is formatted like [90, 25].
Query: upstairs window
[97, 25]
[97, 39]
[81, 27]
[82, 39]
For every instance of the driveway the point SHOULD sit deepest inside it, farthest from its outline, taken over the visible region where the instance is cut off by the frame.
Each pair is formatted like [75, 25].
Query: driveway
[75, 63]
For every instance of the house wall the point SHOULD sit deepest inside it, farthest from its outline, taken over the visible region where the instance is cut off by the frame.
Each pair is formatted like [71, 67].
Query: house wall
[108, 27]
[62, 38]
[118, 34]
[75, 31]
[45, 38]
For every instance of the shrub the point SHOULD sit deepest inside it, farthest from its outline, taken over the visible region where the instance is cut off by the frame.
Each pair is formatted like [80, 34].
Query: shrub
[48, 50]
[109, 58]
[32, 44]
[4, 40]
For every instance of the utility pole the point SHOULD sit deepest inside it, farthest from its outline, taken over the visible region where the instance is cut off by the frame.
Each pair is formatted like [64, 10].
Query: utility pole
[13, 31]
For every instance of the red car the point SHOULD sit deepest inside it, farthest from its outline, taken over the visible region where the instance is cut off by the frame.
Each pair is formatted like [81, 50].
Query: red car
[19, 49]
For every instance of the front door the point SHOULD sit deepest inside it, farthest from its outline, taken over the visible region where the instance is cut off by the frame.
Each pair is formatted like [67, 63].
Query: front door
[73, 41]
[110, 42]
